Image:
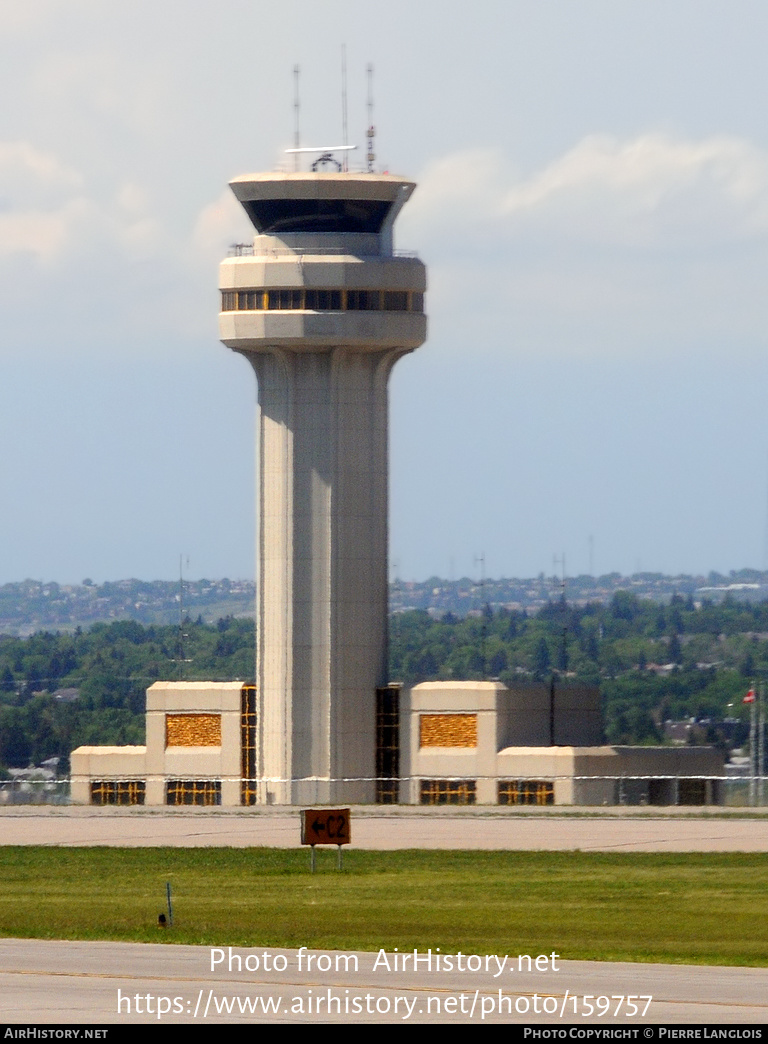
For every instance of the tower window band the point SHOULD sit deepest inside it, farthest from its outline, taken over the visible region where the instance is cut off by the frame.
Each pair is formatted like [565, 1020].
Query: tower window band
[306, 300]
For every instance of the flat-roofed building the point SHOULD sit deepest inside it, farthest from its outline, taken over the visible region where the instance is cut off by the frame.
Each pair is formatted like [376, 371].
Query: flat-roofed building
[200, 750]
[482, 743]
[458, 743]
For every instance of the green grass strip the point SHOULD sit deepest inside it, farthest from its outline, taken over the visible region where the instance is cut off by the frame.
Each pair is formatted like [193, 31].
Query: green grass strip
[692, 908]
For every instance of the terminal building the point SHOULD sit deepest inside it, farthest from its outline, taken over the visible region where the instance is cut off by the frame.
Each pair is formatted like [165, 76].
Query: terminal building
[439, 743]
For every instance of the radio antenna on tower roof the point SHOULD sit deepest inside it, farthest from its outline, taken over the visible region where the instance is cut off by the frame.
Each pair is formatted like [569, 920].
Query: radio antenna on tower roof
[345, 136]
[296, 137]
[371, 128]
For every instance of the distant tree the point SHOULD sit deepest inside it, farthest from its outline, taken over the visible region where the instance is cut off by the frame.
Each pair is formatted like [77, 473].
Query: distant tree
[674, 651]
[590, 644]
[625, 605]
[562, 653]
[541, 659]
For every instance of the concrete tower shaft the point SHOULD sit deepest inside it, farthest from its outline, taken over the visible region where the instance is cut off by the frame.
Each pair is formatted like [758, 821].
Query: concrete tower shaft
[323, 307]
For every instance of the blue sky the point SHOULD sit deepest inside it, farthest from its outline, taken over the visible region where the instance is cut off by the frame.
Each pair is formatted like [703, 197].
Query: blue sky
[593, 211]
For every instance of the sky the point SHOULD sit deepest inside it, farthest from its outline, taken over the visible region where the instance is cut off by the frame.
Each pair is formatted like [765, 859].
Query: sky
[592, 208]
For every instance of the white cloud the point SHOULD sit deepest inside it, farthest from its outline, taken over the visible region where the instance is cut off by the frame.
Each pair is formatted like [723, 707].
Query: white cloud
[218, 224]
[40, 199]
[27, 15]
[28, 173]
[647, 241]
[46, 211]
[41, 234]
[473, 177]
[649, 191]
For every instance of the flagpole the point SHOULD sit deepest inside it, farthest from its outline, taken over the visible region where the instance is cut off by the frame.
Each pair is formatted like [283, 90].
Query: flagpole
[753, 750]
[760, 742]
[752, 699]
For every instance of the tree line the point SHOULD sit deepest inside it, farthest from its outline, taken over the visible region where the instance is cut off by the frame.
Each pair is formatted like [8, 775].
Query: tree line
[653, 662]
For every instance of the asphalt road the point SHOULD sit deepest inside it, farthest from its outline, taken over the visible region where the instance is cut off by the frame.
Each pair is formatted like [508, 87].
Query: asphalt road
[77, 982]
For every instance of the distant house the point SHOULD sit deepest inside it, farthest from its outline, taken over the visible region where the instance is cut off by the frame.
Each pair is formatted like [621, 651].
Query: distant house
[66, 695]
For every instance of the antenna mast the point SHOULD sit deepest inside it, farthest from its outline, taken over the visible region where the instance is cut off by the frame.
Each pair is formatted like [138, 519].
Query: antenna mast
[371, 128]
[181, 660]
[344, 134]
[296, 136]
[484, 624]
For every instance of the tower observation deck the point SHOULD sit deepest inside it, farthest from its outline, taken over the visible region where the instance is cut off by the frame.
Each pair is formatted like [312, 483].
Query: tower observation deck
[323, 307]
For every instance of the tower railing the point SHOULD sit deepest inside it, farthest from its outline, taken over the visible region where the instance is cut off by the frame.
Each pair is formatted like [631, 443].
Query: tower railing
[247, 250]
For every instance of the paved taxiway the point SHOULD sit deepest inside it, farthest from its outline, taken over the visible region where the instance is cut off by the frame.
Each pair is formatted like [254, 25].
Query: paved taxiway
[596, 830]
[78, 982]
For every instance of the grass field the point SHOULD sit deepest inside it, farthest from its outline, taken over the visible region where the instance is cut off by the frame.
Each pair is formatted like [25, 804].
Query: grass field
[676, 908]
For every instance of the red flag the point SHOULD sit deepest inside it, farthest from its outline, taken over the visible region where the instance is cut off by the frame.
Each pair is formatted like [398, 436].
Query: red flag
[749, 698]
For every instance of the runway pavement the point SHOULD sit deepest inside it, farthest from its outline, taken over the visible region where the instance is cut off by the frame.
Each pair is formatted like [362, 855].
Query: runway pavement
[78, 982]
[596, 830]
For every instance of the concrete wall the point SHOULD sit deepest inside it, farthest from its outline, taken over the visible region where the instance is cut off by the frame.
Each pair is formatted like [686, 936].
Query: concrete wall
[531, 716]
[434, 699]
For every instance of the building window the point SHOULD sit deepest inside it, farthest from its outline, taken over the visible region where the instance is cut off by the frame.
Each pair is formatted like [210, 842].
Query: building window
[448, 791]
[284, 300]
[302, 299]
[447, 730]
[248, 745]
[248, 300]
[193, 730]
[118, 791]
[193, 792]
[388, 745]
[363, 301]
[321, 300]
[526, 792]
[397, 301]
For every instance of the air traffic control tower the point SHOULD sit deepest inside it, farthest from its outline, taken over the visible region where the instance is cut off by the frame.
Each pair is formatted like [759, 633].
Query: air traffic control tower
[323, 307]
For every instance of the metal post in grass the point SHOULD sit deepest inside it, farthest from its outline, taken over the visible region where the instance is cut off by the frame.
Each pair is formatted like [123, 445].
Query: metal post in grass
[170, 904]
[312, 859]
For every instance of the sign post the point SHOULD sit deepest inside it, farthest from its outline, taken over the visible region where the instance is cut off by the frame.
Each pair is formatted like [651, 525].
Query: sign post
[325, 826]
